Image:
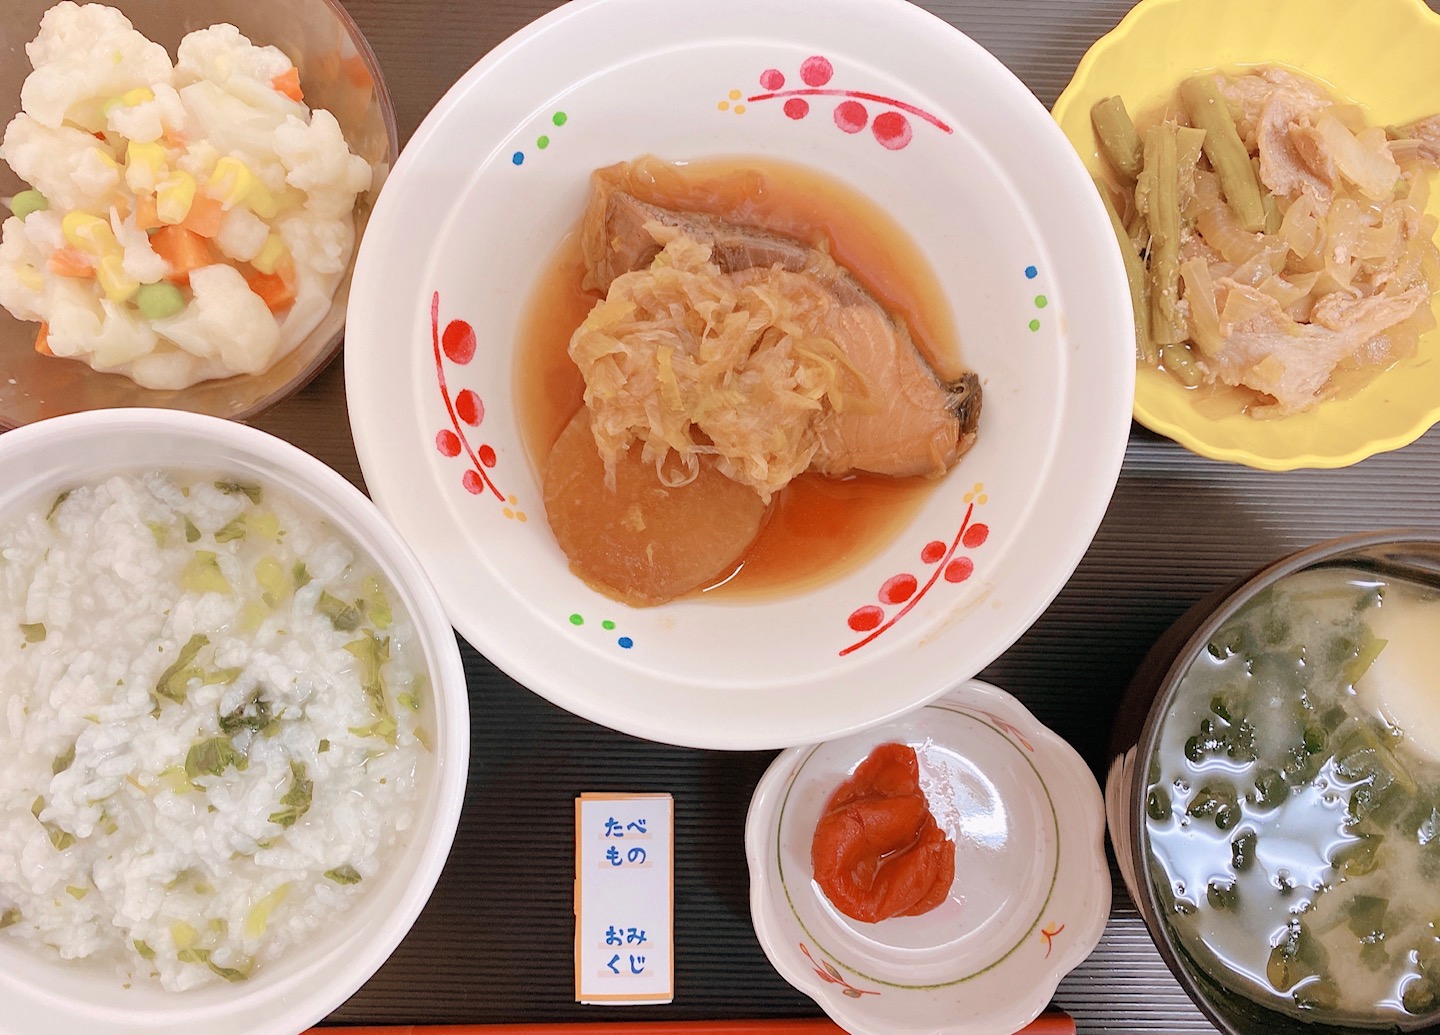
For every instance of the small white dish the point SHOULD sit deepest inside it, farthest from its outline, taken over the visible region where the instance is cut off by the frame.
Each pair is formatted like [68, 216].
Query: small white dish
[1031, 893]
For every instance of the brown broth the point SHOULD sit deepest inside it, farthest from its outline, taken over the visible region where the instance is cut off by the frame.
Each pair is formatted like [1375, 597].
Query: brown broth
[819, 527]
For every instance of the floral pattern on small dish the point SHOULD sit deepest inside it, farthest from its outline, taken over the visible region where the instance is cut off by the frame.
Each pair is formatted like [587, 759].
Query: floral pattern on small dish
[826, 972]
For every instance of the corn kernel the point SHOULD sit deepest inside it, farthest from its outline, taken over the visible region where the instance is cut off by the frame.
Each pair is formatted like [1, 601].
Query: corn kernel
[30, 278]
[89, 234]
[288, 200]
[151, 156]
[128, 99]
[230, 183]
[261, 201]
[118, 286]
[272, 255]
[174, 196]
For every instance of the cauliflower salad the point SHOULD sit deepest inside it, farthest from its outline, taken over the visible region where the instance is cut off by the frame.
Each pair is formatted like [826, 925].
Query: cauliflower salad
[187, 220]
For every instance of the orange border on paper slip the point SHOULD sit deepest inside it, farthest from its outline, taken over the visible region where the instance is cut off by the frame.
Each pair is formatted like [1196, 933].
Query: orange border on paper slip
[652, 997]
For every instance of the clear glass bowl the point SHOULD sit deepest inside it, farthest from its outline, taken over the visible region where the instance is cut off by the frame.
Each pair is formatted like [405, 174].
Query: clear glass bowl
[339, 73]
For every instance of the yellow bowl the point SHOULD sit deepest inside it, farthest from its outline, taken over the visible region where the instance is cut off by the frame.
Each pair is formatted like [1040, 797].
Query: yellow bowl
[1379, 54]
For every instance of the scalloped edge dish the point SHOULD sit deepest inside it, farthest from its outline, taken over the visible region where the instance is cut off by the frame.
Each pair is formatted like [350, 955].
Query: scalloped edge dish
[988, 959]
[1379, 54]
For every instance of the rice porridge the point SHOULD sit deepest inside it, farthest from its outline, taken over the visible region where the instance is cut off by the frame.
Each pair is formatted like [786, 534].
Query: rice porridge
[212, 713]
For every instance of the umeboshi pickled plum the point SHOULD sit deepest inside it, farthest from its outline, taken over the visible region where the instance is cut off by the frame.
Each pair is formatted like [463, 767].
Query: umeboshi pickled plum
[877, 851]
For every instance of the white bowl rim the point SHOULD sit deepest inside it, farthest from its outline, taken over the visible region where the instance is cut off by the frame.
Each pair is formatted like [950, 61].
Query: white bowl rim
[306, 1001]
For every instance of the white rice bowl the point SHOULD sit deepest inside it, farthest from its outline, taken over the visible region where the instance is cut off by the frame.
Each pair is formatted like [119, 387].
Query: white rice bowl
[328, 936]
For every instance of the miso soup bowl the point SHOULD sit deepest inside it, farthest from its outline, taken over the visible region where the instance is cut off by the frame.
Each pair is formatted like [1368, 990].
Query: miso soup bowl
[1411, 553]
[42, 993]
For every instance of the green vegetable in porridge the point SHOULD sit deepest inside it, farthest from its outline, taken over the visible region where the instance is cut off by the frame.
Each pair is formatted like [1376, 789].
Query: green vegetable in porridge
[1293, 816]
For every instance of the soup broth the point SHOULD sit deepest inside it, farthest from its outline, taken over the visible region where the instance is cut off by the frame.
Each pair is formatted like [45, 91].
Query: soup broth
[819, 527]
[1292, 822]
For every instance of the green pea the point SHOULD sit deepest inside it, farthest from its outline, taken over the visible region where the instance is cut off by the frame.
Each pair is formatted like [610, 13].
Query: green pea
[157, 301]
[28, 201]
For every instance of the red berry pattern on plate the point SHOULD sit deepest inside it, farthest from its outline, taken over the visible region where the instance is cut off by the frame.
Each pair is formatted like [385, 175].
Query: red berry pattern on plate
[904, 590]
[456, 345]
[891, 125]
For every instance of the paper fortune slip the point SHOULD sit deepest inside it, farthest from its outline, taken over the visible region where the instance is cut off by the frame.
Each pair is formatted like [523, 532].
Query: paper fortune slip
[624, 898]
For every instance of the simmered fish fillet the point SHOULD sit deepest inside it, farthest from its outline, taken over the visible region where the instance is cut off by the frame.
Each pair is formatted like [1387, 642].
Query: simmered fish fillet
[921, 425]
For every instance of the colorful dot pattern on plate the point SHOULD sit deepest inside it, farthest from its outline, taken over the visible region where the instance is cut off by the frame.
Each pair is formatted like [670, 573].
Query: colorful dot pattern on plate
[543, 140]
[904, 590]
[456, 345]
[624, 642]
[891, 127]
[1040, 301]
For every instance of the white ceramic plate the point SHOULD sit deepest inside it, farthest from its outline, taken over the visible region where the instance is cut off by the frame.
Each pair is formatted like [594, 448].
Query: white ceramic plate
[956, 150]
[1031, 893]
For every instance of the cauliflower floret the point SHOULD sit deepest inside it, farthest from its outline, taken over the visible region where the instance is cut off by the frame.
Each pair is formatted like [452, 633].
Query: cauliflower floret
[149, 120]
[232, 127]
[321, 244]
[83, 57]
[225, 320]
[166, 369]
[221, 52]
[46, 230]
[199, 159]
[75, 316]
[313, 295]
[95, 172]
[123, 337]
[242, 234]
[318, 162]
[62, 164]
[228, 59]
[22, 286]
[140, 261]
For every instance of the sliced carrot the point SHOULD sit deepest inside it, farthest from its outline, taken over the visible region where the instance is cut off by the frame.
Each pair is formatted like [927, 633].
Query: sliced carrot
[288, 83]
[274, 291]
[183, 249]
[357, 71]
[42, 340]
[147, 214]
[204, 216]
[70, 262]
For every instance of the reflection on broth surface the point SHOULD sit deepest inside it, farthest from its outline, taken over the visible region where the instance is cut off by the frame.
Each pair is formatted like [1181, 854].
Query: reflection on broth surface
[1292, 821]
